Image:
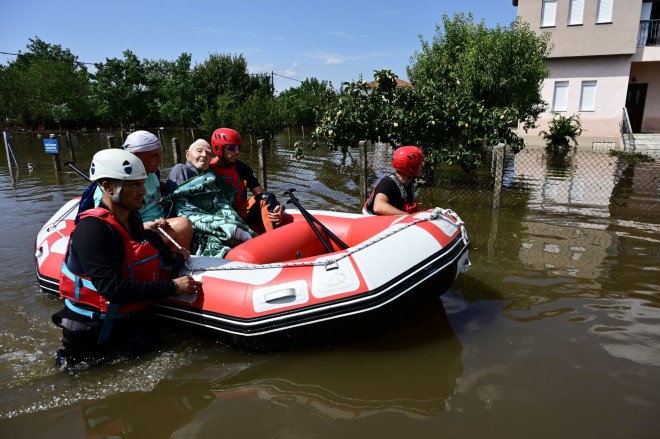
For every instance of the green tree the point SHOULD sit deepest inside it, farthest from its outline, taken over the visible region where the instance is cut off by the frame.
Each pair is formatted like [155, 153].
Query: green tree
[469, 86]
[501, 67]
[222, 81]
[178, 92]
[260, 115]
[452, 129]
[121, 90]
[303, 104]
[41, 79]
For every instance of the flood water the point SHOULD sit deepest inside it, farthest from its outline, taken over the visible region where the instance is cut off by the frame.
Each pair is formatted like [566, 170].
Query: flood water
[554, 332]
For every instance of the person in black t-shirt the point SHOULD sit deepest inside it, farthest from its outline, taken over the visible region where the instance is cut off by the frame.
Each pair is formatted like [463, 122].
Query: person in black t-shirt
[395, 193]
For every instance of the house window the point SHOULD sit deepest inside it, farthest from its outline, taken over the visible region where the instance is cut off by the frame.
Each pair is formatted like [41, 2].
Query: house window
[575, 12]
[560, 97]
[548, 13]
[604, 12]
[588, 96]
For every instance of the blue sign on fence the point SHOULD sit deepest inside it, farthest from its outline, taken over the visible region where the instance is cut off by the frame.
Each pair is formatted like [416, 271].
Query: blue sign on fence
[51, 146]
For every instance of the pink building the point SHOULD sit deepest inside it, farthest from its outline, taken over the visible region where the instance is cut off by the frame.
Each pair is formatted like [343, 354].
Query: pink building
[605, 57]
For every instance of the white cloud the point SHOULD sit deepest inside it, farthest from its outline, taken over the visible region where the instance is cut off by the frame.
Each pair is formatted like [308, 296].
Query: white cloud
[333, 61]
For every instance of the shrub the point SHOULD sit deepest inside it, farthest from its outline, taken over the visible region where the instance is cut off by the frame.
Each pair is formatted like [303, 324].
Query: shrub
[562, 130]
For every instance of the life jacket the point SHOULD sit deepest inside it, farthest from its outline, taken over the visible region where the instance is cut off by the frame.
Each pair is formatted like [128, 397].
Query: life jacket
[142, 263]
[409, 206]
[229, 174]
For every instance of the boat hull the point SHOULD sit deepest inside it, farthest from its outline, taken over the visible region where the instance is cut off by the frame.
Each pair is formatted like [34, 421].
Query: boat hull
[285, 289]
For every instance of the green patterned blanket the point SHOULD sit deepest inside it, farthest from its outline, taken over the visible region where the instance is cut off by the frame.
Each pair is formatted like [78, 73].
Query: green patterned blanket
[207, 201]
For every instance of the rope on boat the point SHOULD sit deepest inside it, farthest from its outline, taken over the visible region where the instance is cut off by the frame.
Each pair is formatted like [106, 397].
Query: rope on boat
[61, 217]
[331, 264]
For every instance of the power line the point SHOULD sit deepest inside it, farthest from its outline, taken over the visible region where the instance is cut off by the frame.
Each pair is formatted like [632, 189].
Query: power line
[77, 62]
[282, 76]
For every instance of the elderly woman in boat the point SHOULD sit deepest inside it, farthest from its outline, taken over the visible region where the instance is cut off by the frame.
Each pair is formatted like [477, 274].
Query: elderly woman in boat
[198, 160]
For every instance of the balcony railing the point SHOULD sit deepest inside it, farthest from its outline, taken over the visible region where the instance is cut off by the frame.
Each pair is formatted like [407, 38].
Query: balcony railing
[649, 33]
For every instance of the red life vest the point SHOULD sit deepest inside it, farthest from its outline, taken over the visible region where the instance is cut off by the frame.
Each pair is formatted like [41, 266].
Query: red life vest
[241, 201]
[142, 263]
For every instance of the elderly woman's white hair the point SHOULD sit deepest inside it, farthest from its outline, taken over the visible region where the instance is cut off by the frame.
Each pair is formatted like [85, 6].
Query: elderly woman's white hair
[199, 142]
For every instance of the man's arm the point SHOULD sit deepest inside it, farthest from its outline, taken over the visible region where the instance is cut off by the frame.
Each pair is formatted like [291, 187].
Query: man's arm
[101, 254]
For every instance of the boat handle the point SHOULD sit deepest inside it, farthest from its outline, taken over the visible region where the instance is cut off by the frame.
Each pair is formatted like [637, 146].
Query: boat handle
[280, 296]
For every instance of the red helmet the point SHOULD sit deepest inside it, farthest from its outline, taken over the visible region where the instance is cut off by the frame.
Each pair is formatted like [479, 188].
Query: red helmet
[222, 137]
[408, 160]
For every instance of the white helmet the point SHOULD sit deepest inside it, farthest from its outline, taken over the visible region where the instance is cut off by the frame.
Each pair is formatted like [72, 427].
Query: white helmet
[117, 164]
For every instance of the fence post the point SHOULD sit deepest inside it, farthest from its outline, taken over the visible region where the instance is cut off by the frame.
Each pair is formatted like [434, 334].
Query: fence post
[498, 156]
[67, 139]
[7, 136]
[110, 141]
[176, 150]
[261, 143]
[364, 172]
[56, 158]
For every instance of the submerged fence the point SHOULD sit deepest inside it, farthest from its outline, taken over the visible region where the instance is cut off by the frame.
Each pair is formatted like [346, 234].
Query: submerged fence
[589, 182]
[584, 181]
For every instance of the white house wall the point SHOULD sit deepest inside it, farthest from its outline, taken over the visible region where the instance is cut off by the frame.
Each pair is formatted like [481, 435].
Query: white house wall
[611, 75]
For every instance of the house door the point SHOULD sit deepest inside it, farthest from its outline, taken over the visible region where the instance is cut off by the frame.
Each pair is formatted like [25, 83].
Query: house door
[635, 99]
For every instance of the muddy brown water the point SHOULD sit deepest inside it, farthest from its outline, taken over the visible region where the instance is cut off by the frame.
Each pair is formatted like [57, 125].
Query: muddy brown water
[554, 332]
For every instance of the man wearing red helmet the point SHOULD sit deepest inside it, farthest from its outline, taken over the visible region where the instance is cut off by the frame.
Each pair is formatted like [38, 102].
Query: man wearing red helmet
[395, 193]
[261, 212]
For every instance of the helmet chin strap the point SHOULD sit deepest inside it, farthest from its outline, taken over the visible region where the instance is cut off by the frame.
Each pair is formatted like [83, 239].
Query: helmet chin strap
[114, 197]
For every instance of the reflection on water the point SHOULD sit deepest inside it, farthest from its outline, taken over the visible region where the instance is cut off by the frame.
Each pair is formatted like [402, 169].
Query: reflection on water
[557, 319]
[417, 380]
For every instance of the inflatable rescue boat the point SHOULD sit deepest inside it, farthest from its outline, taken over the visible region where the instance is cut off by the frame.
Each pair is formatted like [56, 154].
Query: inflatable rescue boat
[327, 274]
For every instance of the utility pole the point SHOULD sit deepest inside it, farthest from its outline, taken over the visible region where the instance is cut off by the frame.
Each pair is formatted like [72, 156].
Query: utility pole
[272, 84]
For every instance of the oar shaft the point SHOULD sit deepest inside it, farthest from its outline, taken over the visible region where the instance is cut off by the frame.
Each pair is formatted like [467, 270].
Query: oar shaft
[167, 235]
[309, 220]
[72, 166]
[309, 217]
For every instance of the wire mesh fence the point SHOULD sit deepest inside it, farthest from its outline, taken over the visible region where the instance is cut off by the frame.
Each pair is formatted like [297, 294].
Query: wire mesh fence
[584, 181]
[589, 182]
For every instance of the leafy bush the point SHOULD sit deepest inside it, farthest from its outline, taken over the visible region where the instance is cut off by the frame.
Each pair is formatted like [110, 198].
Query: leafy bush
[562, 130]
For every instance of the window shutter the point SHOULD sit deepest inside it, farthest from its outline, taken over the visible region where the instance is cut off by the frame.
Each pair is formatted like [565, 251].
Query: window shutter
[559, 103]
[588, 97]
[549, 13]
[604, 14]
[576, 12]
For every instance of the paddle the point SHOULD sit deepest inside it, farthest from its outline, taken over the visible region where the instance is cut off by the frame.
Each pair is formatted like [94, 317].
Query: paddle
[311, 221]
[72, 166]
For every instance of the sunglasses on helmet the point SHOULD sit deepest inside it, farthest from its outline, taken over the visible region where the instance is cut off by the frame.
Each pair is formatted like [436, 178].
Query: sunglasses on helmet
[233, 147]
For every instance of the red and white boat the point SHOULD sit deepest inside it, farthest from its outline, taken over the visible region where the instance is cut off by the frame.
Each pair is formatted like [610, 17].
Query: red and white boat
[298, 284]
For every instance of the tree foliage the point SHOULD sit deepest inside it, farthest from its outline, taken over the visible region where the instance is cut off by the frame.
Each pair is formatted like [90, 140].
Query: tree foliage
[451, 129]
[461, 100]
[120, 90]
[177, 99]
[222, 83]
[501, 67]
[306, 102]
[261, 115]
[42, 82]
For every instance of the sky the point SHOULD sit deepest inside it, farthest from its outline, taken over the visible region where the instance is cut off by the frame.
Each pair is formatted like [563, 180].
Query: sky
[332, 40]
